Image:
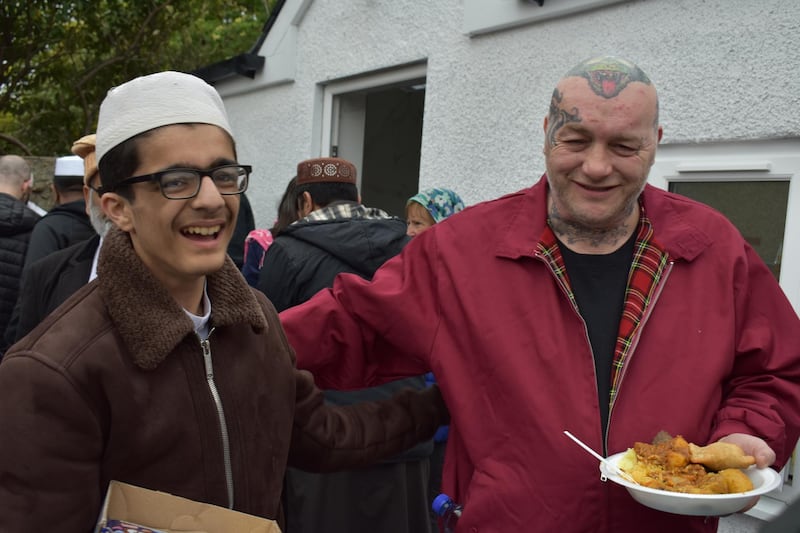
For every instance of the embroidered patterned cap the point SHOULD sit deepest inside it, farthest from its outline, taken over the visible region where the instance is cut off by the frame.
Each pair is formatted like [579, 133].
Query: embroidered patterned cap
[326, 170]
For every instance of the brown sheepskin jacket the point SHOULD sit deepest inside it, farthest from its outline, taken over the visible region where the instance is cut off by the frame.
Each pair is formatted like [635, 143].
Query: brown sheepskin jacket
[113, 386]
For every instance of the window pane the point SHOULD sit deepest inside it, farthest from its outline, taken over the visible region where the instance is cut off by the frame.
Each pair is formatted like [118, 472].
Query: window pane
[757, 208]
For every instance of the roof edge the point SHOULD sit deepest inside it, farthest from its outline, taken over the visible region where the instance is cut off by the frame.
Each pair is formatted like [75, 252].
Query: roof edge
[246, 64]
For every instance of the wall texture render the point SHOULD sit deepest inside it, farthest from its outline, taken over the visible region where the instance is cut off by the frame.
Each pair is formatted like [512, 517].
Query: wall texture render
[43, 169]
[725, 69]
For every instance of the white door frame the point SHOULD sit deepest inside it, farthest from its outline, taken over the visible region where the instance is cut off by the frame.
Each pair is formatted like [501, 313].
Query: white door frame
[331, 105]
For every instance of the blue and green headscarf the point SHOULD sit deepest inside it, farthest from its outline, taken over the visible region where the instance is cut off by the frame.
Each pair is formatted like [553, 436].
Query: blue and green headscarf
[440, 203]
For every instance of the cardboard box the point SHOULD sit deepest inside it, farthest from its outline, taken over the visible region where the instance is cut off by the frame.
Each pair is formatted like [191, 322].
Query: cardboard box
[172, 514]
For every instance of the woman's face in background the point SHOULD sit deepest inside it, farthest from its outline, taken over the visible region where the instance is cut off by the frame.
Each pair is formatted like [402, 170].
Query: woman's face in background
[417, 219]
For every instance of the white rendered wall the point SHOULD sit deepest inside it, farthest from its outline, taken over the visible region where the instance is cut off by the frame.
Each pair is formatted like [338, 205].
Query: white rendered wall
[725, 69]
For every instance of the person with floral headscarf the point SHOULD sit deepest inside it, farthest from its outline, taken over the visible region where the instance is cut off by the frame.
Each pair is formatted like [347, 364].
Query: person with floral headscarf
[430, 206]
[423, 210]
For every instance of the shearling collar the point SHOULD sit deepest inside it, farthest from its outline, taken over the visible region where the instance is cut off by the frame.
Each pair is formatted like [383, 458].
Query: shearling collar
[149, 320]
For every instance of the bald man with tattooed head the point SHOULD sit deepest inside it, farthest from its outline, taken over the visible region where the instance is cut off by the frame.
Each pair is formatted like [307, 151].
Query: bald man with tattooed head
[591, 302]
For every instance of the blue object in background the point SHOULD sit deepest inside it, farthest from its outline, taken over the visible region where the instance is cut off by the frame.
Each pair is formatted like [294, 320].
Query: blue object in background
[448, 510]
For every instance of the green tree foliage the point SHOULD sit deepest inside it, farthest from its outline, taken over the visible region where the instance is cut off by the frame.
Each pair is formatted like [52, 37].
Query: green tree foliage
[58, 58]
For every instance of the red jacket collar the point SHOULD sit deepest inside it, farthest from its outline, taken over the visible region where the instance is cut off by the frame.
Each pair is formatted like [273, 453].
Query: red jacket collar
[668, 212]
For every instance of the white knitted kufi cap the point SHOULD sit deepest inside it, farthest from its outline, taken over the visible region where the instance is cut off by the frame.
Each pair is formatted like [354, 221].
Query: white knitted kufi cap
[156, 100]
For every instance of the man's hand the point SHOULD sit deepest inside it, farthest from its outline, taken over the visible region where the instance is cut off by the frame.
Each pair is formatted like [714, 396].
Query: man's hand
[756, 447]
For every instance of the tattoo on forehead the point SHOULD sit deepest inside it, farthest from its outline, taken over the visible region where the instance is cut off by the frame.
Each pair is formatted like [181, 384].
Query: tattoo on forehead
[608, 77]
[559, 117]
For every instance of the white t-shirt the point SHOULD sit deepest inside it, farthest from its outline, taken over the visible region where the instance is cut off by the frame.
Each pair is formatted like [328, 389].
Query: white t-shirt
[201, 322]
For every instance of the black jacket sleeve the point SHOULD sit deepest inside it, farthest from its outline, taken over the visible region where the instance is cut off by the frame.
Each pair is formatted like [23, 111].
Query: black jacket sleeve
[278, 279]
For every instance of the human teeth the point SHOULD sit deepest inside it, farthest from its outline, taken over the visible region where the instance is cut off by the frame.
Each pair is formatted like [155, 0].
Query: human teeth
[203, 230]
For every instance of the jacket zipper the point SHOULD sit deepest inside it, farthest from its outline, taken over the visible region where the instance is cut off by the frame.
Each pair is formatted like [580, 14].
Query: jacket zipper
[223, 426]
[577, 312]
[635, 343]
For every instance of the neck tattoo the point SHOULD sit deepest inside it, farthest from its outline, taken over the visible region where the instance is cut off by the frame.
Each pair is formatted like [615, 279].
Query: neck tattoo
[572, 233]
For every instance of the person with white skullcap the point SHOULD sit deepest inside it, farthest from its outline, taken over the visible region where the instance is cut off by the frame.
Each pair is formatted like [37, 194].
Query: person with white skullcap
[67, 223]
[50, 280]
[168, 371]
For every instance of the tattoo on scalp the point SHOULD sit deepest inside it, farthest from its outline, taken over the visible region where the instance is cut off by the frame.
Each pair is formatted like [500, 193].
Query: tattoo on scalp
[609, 76]
[559, 117]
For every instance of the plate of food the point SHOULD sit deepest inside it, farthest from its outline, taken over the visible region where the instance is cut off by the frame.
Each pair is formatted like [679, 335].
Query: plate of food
[669, 476]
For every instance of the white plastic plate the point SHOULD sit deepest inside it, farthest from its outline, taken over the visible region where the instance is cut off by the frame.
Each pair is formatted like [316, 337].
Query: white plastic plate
[764, 480]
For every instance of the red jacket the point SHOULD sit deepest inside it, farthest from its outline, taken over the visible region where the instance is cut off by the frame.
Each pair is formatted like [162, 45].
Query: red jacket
[718, 352]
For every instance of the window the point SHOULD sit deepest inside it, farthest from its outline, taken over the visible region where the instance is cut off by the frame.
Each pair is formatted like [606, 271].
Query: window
[757, 208]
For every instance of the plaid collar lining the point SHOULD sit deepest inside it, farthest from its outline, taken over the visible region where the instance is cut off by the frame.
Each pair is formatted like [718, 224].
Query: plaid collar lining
[344, 210]
[647, 269]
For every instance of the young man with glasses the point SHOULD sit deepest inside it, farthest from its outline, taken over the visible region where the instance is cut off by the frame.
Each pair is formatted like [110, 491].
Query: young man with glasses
[168, 371]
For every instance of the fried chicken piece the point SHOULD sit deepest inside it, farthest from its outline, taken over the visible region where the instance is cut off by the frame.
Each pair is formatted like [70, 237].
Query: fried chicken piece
[736, 480]
[706, 483]
[720, 455]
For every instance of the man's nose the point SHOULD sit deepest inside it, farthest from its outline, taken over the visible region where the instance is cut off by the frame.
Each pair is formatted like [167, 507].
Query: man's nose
[209, 193]
[597, 162]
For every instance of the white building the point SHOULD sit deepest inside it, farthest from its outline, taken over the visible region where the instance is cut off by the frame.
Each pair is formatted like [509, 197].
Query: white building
[422, 93]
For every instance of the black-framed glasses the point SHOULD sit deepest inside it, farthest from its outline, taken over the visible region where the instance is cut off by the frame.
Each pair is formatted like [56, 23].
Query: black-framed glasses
[184, 183]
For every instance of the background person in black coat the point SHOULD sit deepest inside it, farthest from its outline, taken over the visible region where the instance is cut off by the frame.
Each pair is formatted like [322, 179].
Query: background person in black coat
[67, 223]
[50, 280]
[336, 234]
[245, 223]
[16, 223]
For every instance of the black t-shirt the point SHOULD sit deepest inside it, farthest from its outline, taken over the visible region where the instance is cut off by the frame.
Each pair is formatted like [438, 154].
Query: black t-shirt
[599, 283]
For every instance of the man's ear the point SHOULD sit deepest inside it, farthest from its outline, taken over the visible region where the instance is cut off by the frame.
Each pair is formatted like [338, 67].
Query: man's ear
[86, 192]
[306, 204]
[26, 189]
[118, 210]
